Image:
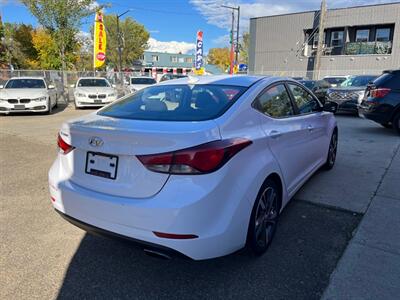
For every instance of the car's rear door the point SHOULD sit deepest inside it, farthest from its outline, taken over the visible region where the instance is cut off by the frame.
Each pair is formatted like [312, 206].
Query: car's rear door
[285, 134]
[313, 121]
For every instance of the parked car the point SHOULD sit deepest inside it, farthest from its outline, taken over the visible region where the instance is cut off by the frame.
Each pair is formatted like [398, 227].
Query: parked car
[27, 94]
[168, 76]
[299, 78]
[381, 102]
[335, 81]
[318, 87]
[137, 83]
[93, 91]
[350, 93]
[201, 177]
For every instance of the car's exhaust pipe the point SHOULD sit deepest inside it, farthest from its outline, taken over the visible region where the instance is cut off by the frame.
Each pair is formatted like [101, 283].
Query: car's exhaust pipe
[157, 254]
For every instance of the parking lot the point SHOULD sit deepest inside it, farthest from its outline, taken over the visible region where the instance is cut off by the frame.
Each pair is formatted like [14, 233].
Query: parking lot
[42, 256]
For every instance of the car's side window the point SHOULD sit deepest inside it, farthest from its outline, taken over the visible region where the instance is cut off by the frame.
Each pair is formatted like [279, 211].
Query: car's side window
[305, 102]
[275, 102]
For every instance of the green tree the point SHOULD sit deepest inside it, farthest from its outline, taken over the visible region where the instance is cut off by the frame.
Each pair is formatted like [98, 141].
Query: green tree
[62, 19]
[219, 57]
[244, 48]
[23, 37]
[13, 54]
[3, 57]
[134, 38]
[47, 51]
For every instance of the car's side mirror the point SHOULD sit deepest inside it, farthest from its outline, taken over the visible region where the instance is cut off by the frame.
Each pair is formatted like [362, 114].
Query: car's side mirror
[1, 86]
[51, 87]
[330, 106]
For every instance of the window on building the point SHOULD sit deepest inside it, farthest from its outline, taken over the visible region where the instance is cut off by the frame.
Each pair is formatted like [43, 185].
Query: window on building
[155, 58]
[141, 57]
[181, 59]
[174, 59]
[383, 34]
[337, 38]
[362, 35]
[188, 59]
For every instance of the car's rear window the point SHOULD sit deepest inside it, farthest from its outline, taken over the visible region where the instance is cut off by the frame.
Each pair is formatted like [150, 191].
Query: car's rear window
[25, 84]
[143, 81]
[388, 80]
[175, 103]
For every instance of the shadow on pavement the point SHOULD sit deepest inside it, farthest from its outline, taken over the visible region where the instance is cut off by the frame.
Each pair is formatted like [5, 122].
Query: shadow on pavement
[308, 244]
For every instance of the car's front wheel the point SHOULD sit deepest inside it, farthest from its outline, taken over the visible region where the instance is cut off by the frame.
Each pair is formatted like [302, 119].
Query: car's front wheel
[49, 107]
[264, 218]
[331, 159]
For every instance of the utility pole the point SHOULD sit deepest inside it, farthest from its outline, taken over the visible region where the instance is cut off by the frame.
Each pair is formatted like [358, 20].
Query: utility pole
[317, 60]
[232, 36]
[237, 35]
[119, 42]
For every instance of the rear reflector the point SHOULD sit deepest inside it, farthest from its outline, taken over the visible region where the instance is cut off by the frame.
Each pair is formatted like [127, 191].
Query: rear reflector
[379, 93]
[205, 158]
[53, 199]
[63, 145]
[175, 236]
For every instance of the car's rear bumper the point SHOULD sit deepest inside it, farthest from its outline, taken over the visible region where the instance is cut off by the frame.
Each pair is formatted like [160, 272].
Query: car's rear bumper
[378, 114]
[200, 206]
[350, 105]
[155, 248]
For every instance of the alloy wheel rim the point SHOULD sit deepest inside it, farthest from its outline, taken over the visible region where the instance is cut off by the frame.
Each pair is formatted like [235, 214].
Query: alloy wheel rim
[333, 150]
[265, 217]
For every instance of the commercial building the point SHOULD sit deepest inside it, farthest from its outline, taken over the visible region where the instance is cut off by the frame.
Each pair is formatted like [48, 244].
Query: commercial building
[357, 40]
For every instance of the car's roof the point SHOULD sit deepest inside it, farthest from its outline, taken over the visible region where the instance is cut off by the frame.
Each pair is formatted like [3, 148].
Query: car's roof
[147, 77]
[92, 78]
[27, 77]
[236, 80]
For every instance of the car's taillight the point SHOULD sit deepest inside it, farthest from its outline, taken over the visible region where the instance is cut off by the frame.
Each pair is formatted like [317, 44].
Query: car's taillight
[205, 158]
[379, 93]
[63, 145]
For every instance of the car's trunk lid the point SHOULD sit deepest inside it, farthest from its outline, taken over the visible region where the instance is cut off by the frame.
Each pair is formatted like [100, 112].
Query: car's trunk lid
[120, 140]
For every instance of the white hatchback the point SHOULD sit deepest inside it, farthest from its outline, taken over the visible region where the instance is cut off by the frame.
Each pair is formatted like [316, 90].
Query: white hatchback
[195, 166]
[93, 91]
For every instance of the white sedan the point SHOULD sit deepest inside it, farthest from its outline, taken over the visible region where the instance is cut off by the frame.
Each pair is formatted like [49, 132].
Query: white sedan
[203, 174]
[93, 91]
[23, 94]
[137, 83]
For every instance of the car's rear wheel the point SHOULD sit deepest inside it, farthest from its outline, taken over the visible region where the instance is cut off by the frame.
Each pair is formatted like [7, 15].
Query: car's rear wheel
[331, 159]
[396, 122]
[264, 218]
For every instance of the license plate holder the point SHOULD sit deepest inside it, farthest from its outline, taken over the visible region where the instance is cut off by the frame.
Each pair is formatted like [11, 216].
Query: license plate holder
[98, 101]
[102, 165]
[19, 106]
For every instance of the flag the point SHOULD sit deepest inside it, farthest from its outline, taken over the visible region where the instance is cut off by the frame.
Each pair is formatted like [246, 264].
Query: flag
[100, 39]
[199, 70]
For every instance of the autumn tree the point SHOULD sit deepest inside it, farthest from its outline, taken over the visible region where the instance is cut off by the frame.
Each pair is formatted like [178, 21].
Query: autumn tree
[134, 40]
[244, 48]
[219, 57]
[47, 50]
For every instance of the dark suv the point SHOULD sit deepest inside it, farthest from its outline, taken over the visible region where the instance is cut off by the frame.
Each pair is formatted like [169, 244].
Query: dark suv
[381, 102]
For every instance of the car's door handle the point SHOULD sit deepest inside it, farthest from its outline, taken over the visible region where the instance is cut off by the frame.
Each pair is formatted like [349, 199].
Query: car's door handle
[310, 128]
[274, 134]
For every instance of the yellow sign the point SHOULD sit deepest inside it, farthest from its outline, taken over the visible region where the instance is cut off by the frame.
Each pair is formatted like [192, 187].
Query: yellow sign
[99, 45]
[199, 71]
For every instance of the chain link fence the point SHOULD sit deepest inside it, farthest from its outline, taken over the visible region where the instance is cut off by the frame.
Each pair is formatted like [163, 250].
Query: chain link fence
[65, 81]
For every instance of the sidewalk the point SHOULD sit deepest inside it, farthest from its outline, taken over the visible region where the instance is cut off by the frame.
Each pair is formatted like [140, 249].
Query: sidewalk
[370, 266]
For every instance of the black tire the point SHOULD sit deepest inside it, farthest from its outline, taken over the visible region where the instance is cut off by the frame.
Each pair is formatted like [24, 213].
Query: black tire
[386, 125]
[396, 122]
[56, 105]
[50, 108]
[332, 152]
[264, 218]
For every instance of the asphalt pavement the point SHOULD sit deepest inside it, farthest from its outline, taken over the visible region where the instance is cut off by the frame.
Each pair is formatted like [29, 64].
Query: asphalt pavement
[43, 256]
